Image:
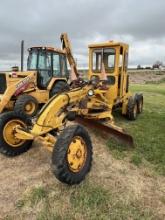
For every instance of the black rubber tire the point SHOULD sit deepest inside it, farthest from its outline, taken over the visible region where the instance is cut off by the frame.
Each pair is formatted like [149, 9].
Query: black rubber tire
[5, 148]
[139, 103]
[59, 86]
[132, 105]
[22, 101]
[59, 157]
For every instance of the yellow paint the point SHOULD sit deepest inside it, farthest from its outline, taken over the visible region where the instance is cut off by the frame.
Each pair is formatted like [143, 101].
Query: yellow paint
[42, 96]
[30, 107]
[76, 154]
[115, 93]
[9, 133]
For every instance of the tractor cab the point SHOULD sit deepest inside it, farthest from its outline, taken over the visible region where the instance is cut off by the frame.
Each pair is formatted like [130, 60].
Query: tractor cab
[49, 63]
[113, 56]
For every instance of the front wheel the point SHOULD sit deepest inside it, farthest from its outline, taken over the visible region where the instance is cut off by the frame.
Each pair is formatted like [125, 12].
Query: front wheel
[10, 145]
[72, 155]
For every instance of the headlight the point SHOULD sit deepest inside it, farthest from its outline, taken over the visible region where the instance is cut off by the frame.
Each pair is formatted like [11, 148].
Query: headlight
[90, 92]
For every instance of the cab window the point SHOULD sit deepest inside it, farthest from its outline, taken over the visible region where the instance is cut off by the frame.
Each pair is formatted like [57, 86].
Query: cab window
[126, 61]
[64, 71]
[109, 59]
[44, 61]
[32, 60]
[56, 64]
[107, 56]
[97, 59]
[44, 69]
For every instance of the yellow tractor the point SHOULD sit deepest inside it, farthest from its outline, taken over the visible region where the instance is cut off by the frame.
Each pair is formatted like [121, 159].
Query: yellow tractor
[46, 75]
[87, 102]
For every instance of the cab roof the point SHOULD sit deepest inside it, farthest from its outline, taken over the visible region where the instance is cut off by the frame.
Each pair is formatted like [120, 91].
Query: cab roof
[108, 44]
[51, 49]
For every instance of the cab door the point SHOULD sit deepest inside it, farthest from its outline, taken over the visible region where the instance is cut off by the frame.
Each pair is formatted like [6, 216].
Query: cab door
[123, 86]
[44, 69]
[60, 66]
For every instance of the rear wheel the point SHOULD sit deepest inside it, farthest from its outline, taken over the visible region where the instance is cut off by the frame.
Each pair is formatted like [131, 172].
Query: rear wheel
[132, 109]
[139, 103]
[10, 145]
[72, 155]
[27, 105]
[58, 87]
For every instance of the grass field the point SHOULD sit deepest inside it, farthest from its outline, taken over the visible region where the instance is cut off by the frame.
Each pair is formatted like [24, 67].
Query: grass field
[124, 183]
[148, 131]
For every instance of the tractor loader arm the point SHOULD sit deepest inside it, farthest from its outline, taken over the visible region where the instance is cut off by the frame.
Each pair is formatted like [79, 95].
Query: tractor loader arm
[66, 46]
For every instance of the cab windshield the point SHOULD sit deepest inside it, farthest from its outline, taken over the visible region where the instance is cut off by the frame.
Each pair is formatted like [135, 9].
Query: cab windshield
[106, 56]
[32, 60]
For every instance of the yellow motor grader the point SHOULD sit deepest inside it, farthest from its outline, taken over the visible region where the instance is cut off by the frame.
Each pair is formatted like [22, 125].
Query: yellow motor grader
[46, 75]
[87, 102]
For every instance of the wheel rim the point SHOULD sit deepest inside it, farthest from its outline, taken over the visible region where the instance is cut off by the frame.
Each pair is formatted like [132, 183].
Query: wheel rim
[9, 133]
[30, 107]
[76, 154]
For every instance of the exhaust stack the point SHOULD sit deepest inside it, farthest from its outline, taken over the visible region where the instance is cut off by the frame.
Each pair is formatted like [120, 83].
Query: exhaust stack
[22, 55]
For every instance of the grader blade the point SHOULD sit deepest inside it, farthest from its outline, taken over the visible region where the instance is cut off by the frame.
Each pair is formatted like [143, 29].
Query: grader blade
[114, 131]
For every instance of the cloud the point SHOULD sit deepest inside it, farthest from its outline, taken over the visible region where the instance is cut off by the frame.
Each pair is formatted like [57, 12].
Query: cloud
[139, 23]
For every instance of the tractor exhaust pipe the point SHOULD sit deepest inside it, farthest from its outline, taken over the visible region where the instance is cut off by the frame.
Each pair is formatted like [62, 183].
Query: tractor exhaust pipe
[22, 55]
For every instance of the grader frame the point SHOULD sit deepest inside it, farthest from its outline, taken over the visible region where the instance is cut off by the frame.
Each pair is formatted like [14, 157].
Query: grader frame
[92, 101]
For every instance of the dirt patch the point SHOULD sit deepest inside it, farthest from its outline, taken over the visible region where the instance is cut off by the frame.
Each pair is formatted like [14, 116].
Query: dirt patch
[140, 76]
[143, 76]
[31, 169]
[20, 173]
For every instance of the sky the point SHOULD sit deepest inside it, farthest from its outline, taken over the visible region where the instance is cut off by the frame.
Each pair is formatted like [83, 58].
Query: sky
[40, 22]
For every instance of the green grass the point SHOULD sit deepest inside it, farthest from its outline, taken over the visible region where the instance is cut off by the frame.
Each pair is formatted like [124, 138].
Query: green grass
[148, 130]
[91, 201]
[150, 90]
[37, 194]
[95, 202]
[156, 82]
[136, 159]
[85, 201]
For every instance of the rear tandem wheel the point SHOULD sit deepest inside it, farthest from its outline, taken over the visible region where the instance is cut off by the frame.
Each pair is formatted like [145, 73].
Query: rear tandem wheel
[139, 103]
[135, 106]
[132, 110]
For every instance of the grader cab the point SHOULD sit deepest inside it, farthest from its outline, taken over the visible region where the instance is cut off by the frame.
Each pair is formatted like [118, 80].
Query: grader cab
[111, 58]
